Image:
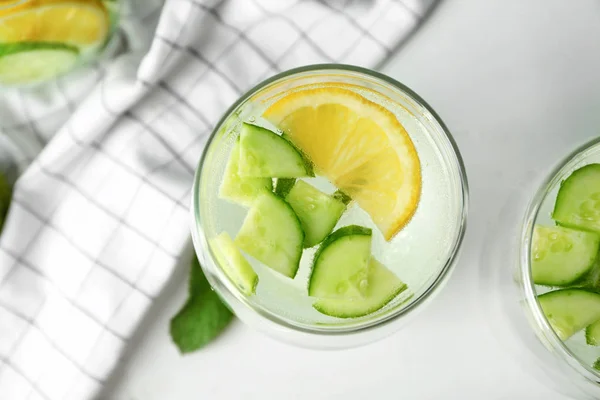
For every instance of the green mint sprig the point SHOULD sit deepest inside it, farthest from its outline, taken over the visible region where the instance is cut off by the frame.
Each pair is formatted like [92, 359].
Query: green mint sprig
[202, 318]
[5, 196]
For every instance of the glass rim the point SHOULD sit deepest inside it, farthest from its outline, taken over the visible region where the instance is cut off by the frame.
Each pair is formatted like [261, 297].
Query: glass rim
[444, 272]
[524, 263]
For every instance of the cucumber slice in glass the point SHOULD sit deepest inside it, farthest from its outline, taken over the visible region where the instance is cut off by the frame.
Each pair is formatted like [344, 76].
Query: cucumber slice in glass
[561, 256]
[31, 62]
[570, 310]
[238, 190]
[383, 287]
[317, 211]
[340, 267]
[596, 364]
[272, 234]
[592, 334]
[578, 200]
[236, 267]
[265, 154]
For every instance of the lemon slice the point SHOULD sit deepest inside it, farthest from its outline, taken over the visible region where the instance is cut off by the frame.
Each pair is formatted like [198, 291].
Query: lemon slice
[359, 146]
[80, 23]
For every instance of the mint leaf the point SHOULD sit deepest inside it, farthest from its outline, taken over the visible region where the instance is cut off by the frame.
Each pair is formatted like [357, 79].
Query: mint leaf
[202, 318]
[5, 196]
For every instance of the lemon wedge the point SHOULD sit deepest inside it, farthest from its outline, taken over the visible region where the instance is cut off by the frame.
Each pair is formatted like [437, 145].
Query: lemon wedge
[358, 145]
[80, 23]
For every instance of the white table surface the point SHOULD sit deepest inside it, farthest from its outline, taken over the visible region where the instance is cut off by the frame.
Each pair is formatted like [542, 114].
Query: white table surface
[518, 83]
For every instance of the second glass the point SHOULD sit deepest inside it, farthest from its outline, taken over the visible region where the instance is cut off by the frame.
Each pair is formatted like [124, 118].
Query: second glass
[511, 297]
[40, 40]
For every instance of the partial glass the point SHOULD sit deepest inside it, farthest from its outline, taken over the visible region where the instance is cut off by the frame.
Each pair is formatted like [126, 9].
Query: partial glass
[43, 39]
[509, 295]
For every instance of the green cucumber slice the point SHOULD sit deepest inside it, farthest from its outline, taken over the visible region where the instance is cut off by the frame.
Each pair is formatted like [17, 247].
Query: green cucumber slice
[384, 286]
[236, 267]
[241, 190]
[272, 234]
[578, 200]
[592, 334]
[283, 186]
[596, 364]
[266, 154]
[30, 62]
[561, 256]
[570, 310]
[340, 267]
[318, 212]
[309, 165]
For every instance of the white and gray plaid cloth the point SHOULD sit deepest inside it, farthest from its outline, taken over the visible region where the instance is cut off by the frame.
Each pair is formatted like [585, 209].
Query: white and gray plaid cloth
[100, 212]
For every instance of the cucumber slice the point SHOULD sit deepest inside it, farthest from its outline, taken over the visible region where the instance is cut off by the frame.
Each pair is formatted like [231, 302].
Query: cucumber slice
[383, 287]
[272, 234]
[340, 267]
[283, 186]
[561, 256]
[309, 165]
[30, 62]
[318, 212]
[241, 190]
[570, 310]
[236, 267]
[266, 154]
[578, 200]
[596, 364]
[592, 334]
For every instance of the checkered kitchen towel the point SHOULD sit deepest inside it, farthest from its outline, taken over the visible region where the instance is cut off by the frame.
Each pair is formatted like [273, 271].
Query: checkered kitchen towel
[100, 213]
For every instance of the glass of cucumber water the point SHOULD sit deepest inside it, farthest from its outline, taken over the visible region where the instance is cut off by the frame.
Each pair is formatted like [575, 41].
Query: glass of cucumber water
[40, 40]
[543, 280]
[329, 204]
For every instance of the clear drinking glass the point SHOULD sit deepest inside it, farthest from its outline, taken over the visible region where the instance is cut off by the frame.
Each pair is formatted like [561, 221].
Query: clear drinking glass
[40, 40]
[422, 254]
[509, 295]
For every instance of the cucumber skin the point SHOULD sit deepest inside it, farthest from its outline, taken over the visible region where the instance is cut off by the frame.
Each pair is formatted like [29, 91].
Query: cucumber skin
[575, 278]
[596, 365]
[310, 168]
[343, 197]
[561, 203]
[592, 334]
[248, 129]
[7, 49]
[344, 231]
[350, 230]
[369, 311]
[283, 186]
